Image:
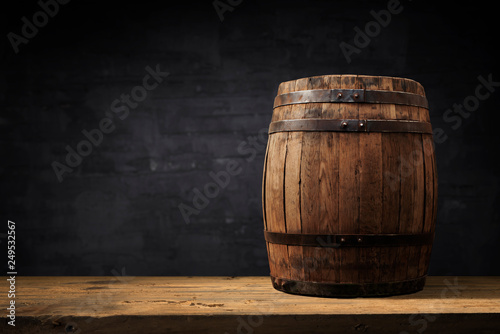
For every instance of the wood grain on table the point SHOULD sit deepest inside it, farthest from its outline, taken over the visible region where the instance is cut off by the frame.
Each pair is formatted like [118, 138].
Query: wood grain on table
[245, 305]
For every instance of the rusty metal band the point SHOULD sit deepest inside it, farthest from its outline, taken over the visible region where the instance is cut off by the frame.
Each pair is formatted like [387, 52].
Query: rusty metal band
[348, 290]
[351, 96]
[350, 125]
[349, 240]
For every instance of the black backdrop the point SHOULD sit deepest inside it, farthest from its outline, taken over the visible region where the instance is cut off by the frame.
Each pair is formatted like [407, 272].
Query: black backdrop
[119, 209]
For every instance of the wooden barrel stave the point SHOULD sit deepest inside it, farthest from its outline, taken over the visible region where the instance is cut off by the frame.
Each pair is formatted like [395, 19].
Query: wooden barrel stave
[353, 195]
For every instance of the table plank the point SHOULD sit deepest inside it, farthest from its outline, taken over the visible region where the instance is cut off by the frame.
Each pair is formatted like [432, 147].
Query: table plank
[245, 305]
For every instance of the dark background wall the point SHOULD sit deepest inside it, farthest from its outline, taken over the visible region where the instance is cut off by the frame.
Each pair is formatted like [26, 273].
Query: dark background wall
[118, 210]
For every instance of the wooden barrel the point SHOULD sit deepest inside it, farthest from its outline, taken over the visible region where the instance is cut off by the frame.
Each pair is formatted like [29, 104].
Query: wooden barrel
[349, 186]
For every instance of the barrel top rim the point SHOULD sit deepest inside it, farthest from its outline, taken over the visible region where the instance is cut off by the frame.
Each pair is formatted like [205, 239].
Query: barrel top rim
[357, 75]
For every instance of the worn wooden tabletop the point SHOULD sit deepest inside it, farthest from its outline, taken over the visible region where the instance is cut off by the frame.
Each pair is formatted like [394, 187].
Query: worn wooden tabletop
[244, 305]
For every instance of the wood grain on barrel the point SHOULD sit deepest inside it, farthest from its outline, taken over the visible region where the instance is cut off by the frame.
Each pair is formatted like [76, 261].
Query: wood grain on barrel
[292, 201]
[429, 172]
[370, 180]
[329, 188]
[271, 193]
[390, 188]
[414, 158]
[292, 181]
[349, 183]
[349, 186]
[428, 179]
[309, 189]
[269, 202]
[406, 180]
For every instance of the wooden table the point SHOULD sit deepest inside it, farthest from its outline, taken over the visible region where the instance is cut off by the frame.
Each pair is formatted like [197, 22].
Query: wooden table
[244, 305]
